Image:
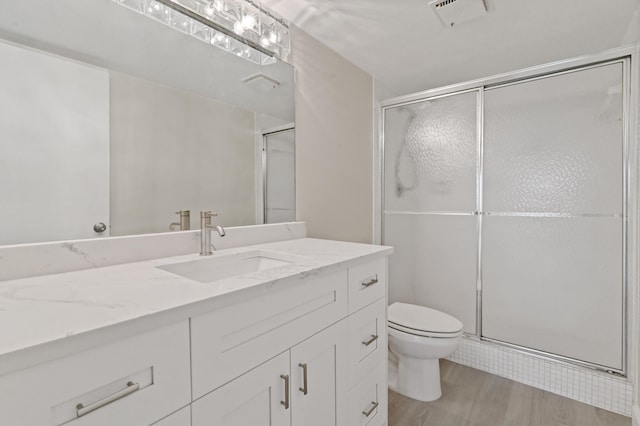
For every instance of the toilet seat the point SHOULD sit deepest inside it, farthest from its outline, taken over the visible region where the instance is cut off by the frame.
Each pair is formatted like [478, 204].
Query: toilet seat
[422, 321]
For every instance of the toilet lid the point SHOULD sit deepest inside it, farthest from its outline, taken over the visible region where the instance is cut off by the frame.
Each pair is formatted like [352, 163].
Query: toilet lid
[422, 320]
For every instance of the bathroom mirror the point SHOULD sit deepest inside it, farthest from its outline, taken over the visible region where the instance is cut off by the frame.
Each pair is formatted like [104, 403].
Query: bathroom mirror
[109, 117]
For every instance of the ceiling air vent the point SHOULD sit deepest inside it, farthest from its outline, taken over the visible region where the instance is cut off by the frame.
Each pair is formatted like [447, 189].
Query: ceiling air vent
[453, 12]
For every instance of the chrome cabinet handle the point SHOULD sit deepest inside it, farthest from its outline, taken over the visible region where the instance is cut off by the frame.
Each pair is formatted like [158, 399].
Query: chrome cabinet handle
[370, 282]
[99, 228]
[304, 389]
[374, 337]
[370, 410]
[81, 410]
[286, 391]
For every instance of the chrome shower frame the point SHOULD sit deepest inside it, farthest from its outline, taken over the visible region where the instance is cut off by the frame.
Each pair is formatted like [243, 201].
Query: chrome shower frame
[628, 57]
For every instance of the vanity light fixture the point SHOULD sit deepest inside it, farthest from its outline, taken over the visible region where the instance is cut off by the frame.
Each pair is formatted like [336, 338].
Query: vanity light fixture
[241, 27]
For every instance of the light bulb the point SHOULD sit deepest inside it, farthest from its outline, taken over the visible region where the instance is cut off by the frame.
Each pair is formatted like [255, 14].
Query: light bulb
[265, 42]
[248, 21]
[238, 28]
[273, 37]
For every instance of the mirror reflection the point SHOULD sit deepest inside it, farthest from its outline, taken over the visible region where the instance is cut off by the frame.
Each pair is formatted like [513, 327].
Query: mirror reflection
[112, 124]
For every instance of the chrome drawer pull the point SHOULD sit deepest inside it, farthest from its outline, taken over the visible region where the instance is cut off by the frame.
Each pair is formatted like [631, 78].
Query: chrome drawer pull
[373, 407]
[304, 389]
[370, 341]
[81, 410]
[286, 391]
[370, 282]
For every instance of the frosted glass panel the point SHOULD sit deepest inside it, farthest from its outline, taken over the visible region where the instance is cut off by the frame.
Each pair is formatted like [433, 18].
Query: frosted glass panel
[555, 284]
[434, 263]
[431, 155]
[280, 201]
[555, 144]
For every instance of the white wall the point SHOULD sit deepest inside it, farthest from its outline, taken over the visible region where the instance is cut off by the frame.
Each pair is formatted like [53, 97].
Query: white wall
[334, 142]
[172, 150]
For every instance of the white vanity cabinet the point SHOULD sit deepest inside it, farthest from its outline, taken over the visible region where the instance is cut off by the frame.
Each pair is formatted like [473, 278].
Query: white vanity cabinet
[305, 385]
[367, 399]
[131, 382]
[304, 346]
[311, 354]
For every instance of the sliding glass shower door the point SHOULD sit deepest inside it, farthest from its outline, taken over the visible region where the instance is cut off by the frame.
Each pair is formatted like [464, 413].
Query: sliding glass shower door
[431, 203]
[553, 199]
[506, 206]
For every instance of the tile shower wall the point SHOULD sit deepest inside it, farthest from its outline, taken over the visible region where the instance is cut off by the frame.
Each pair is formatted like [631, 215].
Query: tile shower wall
[591, 387]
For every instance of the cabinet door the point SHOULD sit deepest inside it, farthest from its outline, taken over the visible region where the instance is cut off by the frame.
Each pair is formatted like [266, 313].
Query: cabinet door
[323, 359]
[256, 398]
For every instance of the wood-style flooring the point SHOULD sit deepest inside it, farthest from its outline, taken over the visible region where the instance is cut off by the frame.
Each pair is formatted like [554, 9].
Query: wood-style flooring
[474, 398]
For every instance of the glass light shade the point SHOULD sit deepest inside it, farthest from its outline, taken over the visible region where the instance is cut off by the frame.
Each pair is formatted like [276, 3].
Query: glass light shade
[249, 21]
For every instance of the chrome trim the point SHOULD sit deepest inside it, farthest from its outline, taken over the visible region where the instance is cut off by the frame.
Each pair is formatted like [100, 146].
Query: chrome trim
[368, 412]
[211, 24]
[555, 357]
[434, 97]
[285, 403]
[392, 212]
[279, 129]
[554, 215]
[374, 337]
[289, 127]
[630, 163]
[547, 68]
[264, 179]
[305, 386]
[479, 208]
[626, 123]
[371, 282]
[82, 410]
[632, 291]
[383, 183]
[554, 74]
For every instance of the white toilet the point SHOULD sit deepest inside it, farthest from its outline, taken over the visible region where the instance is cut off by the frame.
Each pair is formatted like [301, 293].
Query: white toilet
[418, 338]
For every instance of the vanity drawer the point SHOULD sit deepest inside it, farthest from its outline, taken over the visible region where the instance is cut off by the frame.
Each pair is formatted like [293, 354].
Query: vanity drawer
[367, 283]
[230, 341]
[135, 381]
[367, 340]
[368, 400]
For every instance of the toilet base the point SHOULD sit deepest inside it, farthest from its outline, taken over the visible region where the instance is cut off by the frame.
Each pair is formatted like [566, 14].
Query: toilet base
[418, 379]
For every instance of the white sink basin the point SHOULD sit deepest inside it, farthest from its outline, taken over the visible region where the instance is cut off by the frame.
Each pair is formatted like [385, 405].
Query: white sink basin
[216, 268]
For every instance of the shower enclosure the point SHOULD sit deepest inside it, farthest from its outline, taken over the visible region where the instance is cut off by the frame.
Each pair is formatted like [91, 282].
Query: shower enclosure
[279, 175]
[507, 202]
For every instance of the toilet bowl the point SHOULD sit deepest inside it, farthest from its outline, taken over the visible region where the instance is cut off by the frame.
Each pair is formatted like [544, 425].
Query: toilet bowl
[418, 338]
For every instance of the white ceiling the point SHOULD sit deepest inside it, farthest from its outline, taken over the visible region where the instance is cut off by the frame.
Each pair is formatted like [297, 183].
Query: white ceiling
[406, 48]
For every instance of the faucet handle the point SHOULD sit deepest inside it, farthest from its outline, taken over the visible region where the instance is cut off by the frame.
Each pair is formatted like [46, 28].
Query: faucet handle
[207, 214]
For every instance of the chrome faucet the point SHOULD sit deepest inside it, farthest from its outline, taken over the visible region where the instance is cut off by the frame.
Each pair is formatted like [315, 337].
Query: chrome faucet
[205, 232]
[185, 221]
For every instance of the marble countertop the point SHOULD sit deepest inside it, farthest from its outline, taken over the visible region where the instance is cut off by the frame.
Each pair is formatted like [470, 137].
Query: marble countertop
[39, 314]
